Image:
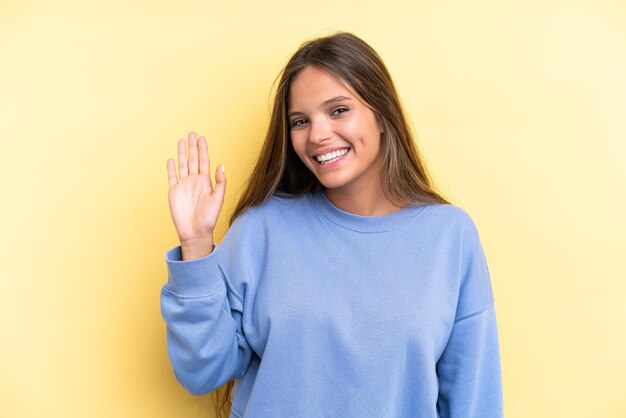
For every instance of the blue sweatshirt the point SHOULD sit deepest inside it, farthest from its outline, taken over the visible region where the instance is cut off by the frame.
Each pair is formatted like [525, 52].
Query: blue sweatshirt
[320, 313]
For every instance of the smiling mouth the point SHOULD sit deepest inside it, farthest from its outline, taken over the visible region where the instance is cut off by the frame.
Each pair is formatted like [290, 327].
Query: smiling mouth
[331, 156]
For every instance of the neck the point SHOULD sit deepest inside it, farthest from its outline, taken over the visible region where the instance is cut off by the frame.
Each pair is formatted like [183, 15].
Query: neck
[366, 203]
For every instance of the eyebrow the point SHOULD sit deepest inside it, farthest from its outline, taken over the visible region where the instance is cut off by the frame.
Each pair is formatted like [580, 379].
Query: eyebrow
[325, 103]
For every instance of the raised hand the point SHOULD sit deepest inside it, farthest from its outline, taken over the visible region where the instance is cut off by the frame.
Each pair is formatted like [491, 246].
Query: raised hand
[194, 202]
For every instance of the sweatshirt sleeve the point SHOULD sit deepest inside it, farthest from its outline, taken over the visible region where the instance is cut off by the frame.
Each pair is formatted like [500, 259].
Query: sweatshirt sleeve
[206, 343]
[470, 383]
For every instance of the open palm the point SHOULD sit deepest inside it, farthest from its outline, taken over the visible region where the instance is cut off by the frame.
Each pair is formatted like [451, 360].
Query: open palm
[194, 202]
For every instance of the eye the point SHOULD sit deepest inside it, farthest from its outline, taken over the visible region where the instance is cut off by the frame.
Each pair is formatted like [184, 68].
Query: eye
[298, 122]
[340, 110]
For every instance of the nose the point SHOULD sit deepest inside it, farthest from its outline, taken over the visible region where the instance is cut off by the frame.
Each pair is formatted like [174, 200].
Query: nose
[320, 130]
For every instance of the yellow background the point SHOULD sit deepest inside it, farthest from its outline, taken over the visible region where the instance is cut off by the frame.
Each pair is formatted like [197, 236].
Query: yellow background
[519, 107]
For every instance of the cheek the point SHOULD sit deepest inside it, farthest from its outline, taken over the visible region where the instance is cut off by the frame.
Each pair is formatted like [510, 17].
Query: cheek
[299, 147]
[364, 130]
[369, 139]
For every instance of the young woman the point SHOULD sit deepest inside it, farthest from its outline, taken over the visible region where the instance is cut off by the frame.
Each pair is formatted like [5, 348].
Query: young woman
[346, 287]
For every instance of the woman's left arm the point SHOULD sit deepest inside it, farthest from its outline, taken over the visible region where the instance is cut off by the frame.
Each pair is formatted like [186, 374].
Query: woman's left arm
[469, 373]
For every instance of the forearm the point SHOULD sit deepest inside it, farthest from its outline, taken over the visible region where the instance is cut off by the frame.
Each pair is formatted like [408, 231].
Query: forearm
[205, 341]
[470, 382]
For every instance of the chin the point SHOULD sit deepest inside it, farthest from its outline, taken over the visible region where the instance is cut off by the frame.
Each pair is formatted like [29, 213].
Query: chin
[331, 184]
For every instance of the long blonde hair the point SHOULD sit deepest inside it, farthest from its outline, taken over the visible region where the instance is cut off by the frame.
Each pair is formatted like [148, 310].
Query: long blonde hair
[405, 178]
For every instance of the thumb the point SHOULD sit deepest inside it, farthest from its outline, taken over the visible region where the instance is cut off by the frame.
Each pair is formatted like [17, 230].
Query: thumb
[220, 182]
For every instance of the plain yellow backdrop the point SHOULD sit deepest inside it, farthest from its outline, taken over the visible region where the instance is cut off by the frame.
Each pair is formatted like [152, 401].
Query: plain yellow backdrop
[519, 109]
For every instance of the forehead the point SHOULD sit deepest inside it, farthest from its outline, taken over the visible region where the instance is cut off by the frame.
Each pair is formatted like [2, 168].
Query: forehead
[313, 85]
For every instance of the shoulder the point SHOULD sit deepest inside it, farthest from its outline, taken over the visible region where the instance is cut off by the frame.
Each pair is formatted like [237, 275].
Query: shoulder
[459, 229]
[449, 215]
[449, 225]
[277, 208]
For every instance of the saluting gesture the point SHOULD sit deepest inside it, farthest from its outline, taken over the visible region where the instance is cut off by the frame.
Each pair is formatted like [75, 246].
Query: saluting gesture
[194, 202]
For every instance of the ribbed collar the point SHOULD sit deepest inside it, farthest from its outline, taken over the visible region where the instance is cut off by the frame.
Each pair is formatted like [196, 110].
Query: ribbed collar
[361, 223]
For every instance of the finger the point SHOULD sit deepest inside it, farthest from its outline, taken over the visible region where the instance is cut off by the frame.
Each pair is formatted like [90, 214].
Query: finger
[220, 183]
[203, 155]
[208, 169]
[193, 153]
[171, 172]
[182, 159]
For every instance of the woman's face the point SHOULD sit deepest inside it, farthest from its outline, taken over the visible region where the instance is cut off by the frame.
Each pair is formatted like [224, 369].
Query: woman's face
[335, 135]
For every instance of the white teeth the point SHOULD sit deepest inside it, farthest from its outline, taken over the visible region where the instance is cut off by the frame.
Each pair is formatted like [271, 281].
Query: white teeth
[332, 155]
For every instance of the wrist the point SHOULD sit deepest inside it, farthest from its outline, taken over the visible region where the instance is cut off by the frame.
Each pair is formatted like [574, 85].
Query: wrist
[195, 248]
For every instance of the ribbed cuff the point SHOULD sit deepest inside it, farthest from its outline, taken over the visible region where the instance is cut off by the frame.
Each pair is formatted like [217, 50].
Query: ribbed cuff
[193, 278]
